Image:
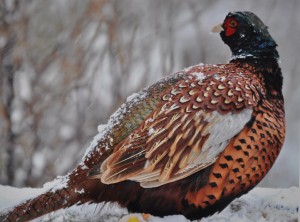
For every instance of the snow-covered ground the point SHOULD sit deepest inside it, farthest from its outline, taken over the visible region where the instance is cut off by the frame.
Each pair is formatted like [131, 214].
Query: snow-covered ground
[259, 205]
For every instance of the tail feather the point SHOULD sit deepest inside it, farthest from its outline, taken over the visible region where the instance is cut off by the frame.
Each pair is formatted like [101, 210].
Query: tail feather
[75, 188]
[52, 200]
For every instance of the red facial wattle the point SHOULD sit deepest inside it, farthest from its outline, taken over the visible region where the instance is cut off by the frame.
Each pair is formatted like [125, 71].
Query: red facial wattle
[230, 26]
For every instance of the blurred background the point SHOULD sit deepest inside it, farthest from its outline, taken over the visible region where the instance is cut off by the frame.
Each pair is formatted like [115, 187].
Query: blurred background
[66, 65]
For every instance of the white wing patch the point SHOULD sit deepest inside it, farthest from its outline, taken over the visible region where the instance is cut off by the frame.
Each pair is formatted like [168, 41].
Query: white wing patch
[225, 127]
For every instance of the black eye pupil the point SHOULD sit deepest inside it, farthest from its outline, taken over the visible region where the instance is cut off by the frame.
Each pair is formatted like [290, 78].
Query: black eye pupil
[233, 23]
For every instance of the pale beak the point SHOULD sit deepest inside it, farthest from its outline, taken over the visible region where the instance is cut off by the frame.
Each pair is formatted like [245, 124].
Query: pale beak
[217, 28]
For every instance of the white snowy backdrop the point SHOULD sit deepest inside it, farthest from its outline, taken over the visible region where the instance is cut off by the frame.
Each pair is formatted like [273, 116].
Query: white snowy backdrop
[66, 65]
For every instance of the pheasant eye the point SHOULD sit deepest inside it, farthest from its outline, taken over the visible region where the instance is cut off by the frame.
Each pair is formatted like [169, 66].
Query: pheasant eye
[230, 26]
[233, 23]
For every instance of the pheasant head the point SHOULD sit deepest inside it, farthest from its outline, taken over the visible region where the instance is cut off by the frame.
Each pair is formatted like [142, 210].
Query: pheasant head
[247, 36]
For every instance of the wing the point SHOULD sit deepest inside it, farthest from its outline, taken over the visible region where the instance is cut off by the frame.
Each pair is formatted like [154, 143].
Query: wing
[125, 120]
[186, 133]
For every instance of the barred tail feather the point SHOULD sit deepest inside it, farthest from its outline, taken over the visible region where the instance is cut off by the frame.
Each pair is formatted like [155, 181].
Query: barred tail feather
[58, 197]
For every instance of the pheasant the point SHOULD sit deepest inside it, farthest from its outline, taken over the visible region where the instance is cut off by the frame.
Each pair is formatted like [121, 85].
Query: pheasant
[190, 143]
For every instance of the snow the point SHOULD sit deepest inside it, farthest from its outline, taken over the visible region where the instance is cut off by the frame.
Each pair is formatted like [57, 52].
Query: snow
[218, 77]
[187, 69]
[199, 75]
[242, 56]
[80, 191]
[260, 204]
[135, 96]
[151, 131]
[10, 196]
[58, 183]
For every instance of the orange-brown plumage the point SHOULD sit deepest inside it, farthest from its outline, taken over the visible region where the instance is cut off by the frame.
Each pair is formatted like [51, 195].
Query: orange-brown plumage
[190, 143]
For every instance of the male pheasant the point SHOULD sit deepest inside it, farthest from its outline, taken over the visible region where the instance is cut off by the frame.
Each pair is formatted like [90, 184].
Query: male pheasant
[190, 143]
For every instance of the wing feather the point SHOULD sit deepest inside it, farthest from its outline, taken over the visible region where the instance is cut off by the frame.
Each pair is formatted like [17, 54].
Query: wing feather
[182, 136]
[179, 155]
